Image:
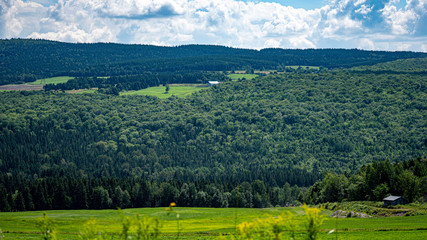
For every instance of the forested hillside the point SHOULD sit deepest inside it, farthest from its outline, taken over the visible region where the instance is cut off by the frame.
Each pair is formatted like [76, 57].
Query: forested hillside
[279, 128]
[24, 60]
[240, 143]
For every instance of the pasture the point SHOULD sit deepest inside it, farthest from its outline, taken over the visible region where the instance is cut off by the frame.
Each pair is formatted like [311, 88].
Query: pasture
[53, 80]
[208, 223]
[236, 76]
[178, 90]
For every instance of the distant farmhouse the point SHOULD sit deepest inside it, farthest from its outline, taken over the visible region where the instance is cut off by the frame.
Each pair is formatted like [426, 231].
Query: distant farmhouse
[211, 83]
[394, 200]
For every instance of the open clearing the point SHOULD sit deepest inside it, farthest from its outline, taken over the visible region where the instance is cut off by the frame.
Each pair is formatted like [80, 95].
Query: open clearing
[53, 80]
[178, 90]
[208, 223]
[236, 76]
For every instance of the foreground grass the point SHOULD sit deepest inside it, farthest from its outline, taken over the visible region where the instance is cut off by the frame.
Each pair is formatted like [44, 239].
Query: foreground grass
[178, 90]
[53, 80]
[209, 223]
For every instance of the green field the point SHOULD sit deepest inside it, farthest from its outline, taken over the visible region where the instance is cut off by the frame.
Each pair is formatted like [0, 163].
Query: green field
[236, 76]
[53, 80]
[209, 223]
[179, 90]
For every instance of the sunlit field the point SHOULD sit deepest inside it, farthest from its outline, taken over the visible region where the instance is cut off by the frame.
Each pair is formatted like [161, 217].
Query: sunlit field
[53, 80]
[236, 76]
[209, 223]
[178, 90]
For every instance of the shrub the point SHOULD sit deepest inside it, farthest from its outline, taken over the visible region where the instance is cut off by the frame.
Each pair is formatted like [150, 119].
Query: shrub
[276, 227]
[46, 225]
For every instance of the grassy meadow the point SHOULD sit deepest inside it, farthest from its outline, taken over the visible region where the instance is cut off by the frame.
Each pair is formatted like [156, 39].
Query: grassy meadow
[209, 223]
[53, 80]
[236, 76]
[178, 90]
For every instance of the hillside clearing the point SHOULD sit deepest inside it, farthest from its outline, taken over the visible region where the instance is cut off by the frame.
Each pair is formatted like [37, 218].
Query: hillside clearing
[237, 76]
[178, 90]
[52, 80]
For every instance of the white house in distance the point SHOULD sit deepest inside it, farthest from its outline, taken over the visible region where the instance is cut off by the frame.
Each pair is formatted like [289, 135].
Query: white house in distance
[211, 83]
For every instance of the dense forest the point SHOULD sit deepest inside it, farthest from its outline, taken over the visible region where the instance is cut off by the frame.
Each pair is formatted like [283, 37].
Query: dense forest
[17, 194]
[373, 182]
[245, 143]
[25, 60]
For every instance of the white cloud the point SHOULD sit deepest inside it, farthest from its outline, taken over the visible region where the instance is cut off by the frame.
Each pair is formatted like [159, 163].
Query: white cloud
[272, 43]
[301, 43]
[16, 16]
[366, 44]
[370, 24]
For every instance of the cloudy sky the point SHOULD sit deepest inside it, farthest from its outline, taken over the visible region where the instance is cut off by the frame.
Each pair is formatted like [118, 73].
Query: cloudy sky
[365, 24]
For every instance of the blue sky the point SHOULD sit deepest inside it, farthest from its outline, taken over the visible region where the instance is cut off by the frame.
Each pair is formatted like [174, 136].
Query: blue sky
[366, 24]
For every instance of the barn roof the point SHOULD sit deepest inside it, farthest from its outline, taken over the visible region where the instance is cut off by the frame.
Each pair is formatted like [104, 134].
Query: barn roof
[391, 198]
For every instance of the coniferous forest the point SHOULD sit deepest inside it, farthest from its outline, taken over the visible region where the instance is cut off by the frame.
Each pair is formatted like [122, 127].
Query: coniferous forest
[355, 129]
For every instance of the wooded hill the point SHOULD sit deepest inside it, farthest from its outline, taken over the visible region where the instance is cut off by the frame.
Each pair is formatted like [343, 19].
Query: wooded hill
[279, 128]
[25, 60]
[258, 136]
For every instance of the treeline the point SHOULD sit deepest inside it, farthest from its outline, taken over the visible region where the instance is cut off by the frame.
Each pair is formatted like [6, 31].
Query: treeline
[137, 82]
[24, 60]
[17, 194]
[373, 182]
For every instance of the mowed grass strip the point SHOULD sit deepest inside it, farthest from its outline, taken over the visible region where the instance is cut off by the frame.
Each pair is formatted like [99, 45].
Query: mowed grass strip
[236, 76]
[208, 223]
[178, 90]
[53, 80]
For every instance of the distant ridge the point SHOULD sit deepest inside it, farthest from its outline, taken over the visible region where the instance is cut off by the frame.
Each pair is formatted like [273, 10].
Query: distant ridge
[24, 60]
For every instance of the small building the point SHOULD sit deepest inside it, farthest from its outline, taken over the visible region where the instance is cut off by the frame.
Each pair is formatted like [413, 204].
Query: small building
[394, 200]
[211, 83]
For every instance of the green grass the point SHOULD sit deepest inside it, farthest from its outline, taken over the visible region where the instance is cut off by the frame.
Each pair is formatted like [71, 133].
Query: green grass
[378, 209]
[176, 90]
[236, 76]
[208, 223]
[54, 80]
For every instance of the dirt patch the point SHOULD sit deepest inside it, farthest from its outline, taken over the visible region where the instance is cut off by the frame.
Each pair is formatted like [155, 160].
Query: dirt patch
[80, 90]
[344, 214]
[22, 87]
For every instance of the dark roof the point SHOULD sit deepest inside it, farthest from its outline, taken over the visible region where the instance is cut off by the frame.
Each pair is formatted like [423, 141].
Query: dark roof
[392, 198]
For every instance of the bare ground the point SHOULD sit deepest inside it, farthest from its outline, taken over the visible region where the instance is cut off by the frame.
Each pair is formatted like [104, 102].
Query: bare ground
[21, 87]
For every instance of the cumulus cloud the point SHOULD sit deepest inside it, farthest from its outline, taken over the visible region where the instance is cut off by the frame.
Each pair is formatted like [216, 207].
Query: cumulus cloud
[16, 17]
[368, 24]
